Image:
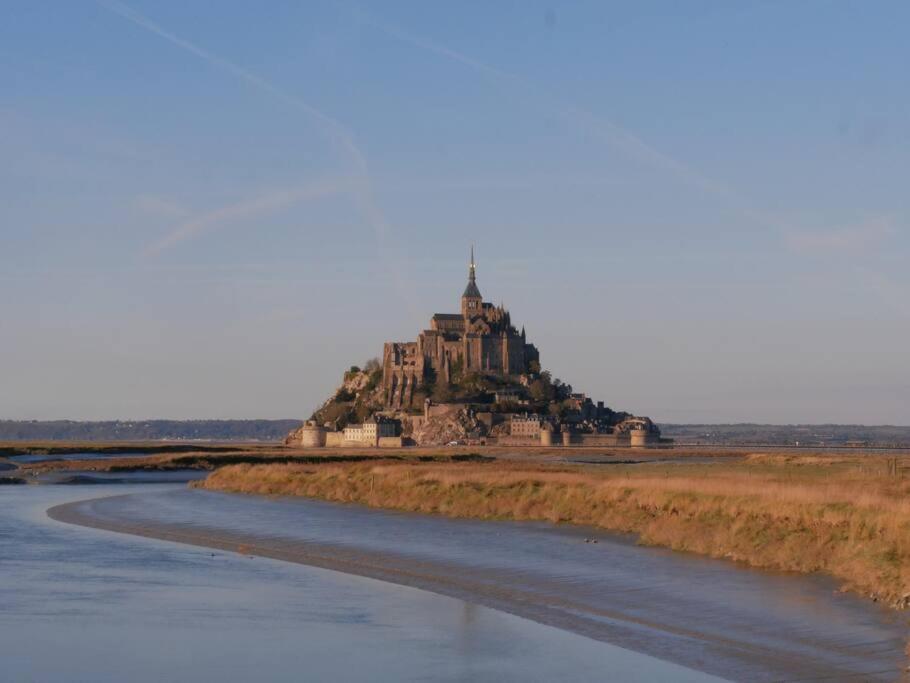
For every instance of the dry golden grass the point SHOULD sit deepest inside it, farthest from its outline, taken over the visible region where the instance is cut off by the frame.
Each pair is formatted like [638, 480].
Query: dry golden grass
[848, 516]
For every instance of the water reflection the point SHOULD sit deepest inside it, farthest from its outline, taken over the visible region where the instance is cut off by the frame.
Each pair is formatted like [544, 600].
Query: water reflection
[703, 613]
[54, 457]
[133, 477]
[85, 605]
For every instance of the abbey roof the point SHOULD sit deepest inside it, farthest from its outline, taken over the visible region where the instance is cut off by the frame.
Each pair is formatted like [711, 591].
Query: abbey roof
[471, 290]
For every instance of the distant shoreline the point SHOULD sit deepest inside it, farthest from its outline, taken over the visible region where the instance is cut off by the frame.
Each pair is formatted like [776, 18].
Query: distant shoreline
[273, 432]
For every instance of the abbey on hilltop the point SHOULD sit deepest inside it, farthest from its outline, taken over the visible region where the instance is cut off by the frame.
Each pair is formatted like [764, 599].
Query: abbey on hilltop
[481, 338]
[472, 378]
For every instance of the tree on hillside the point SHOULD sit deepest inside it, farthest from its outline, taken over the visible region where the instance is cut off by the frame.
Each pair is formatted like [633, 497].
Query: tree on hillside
[361, 411]
[506, 407]
[344, 395]
[561, 390]
[473, 386]
[541, 389]
[442, 393]
[417, 400]
[456, 368]
[339, 414]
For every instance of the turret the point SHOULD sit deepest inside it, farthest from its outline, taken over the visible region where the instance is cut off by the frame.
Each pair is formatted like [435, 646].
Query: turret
[471, 301]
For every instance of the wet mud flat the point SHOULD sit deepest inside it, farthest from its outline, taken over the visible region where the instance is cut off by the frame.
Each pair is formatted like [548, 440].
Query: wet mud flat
[82, 604]
[703, 614]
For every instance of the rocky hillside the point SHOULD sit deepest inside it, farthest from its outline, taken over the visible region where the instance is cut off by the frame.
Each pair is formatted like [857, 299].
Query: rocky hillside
[358, 397]
[442, 429]
[361, 395]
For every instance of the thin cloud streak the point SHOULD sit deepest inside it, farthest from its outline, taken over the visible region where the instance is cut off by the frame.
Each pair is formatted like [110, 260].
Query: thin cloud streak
[260, 205]
[334, 128]
[495, 183]
[362, 191]
[606, 130]
[160, 206]
[851, 240]
[431, 46]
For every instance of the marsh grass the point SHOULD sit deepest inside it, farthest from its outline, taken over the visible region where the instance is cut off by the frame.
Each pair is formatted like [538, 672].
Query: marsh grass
[847, 516]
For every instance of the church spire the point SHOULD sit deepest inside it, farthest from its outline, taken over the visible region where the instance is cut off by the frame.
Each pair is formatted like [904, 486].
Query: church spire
[471, 291]
[471, 268]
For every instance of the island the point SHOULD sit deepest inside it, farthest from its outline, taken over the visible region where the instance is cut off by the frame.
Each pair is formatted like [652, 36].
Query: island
[472, 378]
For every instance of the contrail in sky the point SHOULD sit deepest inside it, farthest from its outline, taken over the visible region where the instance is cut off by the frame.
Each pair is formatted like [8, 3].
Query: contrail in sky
[362, 190]
[336, 131]
[604, 129]
[431, 46]
[270, 201]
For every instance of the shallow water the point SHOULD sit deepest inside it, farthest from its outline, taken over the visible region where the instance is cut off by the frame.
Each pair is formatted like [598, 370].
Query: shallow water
[80, 604]
[131, 477]
[91, 455]
[705, 614]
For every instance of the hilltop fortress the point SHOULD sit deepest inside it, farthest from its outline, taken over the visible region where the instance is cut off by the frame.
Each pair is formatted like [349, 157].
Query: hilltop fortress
[480, 339]
[470, 378]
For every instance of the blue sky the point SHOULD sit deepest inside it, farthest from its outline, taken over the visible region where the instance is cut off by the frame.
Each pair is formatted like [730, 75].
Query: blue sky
[698, 210]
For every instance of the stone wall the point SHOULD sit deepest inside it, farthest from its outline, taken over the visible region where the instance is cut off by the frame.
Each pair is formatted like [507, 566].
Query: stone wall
[334, 439]
[580, 440]
[605, 440]
[643, 439]
[508, 440]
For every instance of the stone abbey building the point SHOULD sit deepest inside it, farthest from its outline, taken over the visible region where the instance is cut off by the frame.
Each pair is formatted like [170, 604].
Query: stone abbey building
[516, 404]
[480, 338]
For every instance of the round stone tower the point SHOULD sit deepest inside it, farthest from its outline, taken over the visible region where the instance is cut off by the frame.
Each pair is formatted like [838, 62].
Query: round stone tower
[638, 438]
[546, 435]
[312, 435]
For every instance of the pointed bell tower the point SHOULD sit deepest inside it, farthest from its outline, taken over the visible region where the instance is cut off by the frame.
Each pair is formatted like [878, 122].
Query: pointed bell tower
[471, 301]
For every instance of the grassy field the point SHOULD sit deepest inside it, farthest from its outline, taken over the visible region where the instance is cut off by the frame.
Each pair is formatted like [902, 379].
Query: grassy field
[848, 516]
[210, 459]
[13, 448]
[209, 456]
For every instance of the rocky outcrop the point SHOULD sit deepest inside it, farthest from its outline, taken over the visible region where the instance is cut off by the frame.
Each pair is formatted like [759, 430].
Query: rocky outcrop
[633, 423]
[458, 425]
[448, 416]
[294, 437]
[355, 382]
[501, 429]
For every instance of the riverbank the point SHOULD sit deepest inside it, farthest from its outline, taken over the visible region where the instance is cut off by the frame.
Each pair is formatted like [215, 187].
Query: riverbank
[845, 516]
[116, 608]
[690, 610]
[40, 459]
[13, 448]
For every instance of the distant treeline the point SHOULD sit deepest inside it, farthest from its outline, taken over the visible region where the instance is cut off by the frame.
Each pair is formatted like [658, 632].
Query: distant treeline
[788, 435]
[146, 430]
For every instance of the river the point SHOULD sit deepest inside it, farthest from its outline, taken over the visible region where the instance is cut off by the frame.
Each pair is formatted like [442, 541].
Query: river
[416, 598]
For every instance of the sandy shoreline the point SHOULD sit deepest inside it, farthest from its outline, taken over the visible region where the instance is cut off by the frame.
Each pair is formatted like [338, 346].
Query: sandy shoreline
[727, 653]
